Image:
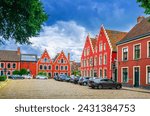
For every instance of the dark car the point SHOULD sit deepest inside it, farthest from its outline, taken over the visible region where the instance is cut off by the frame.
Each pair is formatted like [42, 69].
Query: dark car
[72, 78]
[62, 77]
[67, 79]
[91, 80]
[83, 80]
[76, 79]
[105, 83]
[16, 77]
[56, 77]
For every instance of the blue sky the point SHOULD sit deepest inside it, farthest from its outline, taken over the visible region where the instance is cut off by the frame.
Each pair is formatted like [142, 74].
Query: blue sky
[70, 21]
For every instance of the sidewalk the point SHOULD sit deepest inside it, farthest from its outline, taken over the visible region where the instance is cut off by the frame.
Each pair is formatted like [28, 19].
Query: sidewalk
[3, 83]
[142, 90]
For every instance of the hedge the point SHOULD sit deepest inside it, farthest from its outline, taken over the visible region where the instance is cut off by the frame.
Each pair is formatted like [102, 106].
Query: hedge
[3, 78]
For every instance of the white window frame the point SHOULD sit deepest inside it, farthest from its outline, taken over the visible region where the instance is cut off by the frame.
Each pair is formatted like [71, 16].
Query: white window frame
[40, 68]
[148, 55]
[127, 53]
[122, 74]
[105, 60]
[100, 72]
[104, 73]
[139, 74]
[100, 60]
[104, 46]
[147, 74]
[134, 51]
[101, 46]
[56, 68]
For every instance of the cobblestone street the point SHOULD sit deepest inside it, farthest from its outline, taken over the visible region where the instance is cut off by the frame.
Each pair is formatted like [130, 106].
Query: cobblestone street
[51, 89]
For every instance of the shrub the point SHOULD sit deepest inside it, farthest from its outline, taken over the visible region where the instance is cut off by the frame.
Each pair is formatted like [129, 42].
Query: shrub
[3, 78]
[23, 71]
[16, 72]
[42, 73]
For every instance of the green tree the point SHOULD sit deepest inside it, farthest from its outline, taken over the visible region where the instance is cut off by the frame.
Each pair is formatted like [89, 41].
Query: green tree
[145, 4]
[76, 72]
[16, 72]
[23, 71]
[21, 19]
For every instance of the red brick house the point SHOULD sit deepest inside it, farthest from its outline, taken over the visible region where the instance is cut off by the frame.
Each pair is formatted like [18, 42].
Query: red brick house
[134, 55]
[61, 64]
[45, 63]
[107, 51]
[9, 61]
[29, 62]
[99, 53]
[87, 66]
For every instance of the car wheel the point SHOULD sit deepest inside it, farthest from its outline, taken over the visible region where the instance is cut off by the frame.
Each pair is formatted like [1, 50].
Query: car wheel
[84, 84]
[93, 87]
[100, 87]
[118, 87]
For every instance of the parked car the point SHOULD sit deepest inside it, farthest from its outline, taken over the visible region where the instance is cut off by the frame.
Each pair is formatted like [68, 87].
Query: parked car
[41, 77]
[91, 80]
[62, 77]
[56, 77]
[72, 78]
[15, 77]
[27, 76]
[83, 80]
[67, 79]
[76, 79]
[105, 83]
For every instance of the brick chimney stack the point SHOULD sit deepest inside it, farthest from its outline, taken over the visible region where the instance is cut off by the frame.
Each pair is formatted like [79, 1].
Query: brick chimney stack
[69, 57]
[18, 51]
[140, 18]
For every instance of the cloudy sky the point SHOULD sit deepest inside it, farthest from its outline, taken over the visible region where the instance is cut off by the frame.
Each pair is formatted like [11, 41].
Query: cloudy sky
[70, 21]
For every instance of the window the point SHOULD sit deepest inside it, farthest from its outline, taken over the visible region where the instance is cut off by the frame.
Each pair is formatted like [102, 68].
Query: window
[2, 65]
[2, 73]
[8, 73]
[88, 51]
[105, 73]
[56, 67]
[14, 65]
[125, 75]
[8, 65]
[55, 74]
[61, 68]
[62, 60]
[66, 74]
[101, 60]
[66, 67]
[95, 61]
[49, 67]
[136, 51]
[148, 49]
[104, 46]
[41, 67]
[105, 59]
[148, 74]
[85, 52]
[45, 67]
[49, 74]
[100, 47]
[45, 59]
[91, 61]
[101, 73]
[125, 54]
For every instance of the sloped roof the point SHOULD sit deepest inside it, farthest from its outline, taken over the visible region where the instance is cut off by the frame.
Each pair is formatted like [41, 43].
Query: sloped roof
[140, 30]
[56, 57]
[114, 37]
[93, 41]
[7, 55]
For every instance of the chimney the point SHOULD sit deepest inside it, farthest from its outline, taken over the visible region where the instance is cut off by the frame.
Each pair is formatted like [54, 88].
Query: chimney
[140, 18]
[69, 57]
[18, 51]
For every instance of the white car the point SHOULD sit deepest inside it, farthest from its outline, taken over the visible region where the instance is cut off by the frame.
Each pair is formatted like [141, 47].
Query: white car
[27, 76]
[41, 77]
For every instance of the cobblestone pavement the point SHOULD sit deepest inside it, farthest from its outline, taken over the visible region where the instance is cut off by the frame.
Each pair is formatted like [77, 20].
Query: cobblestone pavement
[51, 89]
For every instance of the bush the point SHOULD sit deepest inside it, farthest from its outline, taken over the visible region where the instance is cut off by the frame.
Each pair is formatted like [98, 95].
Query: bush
[23, 71]
[16, 72]
[42, 73]
[3, 78]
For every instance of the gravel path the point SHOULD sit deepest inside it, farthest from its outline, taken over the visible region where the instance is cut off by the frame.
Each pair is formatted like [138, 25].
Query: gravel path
[51, 89]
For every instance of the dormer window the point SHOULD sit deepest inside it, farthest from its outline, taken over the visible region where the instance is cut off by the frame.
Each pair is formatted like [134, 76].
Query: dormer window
[45, 59]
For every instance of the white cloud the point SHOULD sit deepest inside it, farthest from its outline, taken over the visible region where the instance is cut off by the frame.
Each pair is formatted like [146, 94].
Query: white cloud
[66, 36]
